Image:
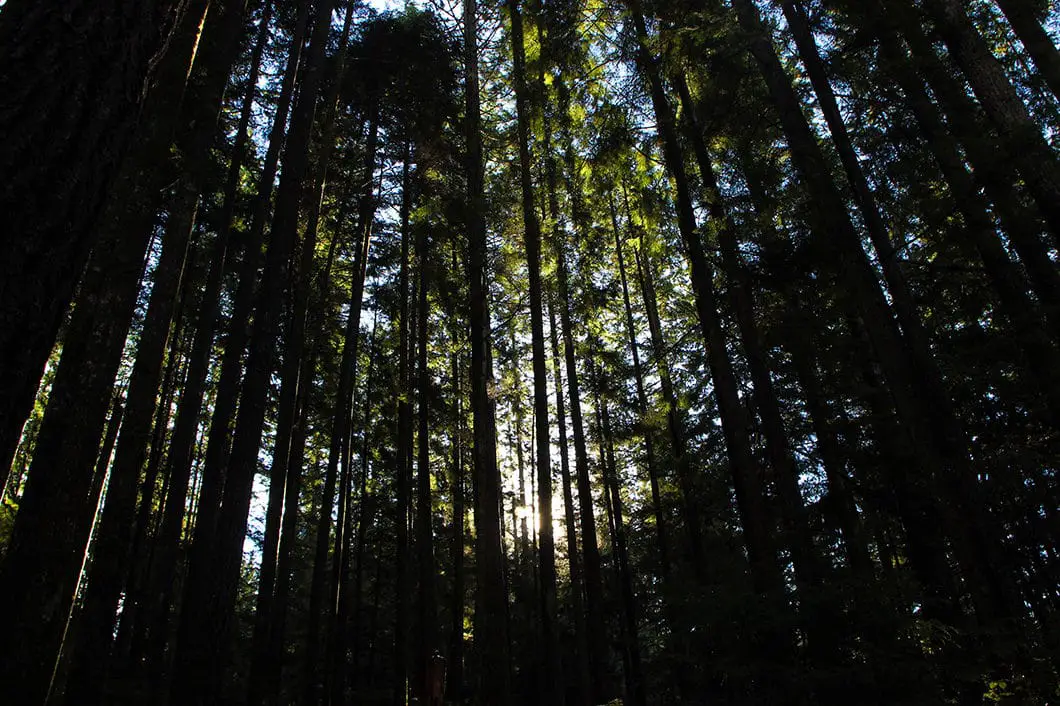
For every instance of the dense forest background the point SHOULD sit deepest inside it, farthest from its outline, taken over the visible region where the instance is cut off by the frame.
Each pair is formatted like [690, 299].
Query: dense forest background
[643, 352]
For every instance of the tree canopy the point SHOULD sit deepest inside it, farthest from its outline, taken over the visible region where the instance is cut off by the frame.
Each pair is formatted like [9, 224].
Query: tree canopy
[541, 352]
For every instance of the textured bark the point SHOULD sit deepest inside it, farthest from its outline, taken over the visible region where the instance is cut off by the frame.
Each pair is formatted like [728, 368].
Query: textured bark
[73, 89]
[491, 630]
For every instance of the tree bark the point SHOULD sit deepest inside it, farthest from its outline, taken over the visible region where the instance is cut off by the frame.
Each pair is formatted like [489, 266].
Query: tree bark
[403, 461]
[491, 630]
[1022, 137]
[206, 622]
[427, 599]
[294, 378]
[111, 550]
[455, 679]
[160, 586]
[552, 666]
[635, 688]
[1027, 25]
[750, 496]
[40, 570]
[919, 397]
[1024, 316]
[642, 403]
[73, 90]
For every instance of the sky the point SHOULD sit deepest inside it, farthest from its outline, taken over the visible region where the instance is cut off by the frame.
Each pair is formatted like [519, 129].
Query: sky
[380, 5]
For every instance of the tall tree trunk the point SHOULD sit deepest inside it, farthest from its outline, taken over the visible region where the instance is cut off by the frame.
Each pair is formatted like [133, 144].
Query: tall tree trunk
[491, 629]
[1033, 156]
[319, 590]
[403, 461]
[674, 422]
[293, 381]
[635, 688]
[160, 586]
[750, 496]
[552, 666]
[1007, 281]
[988, 156]
[206, 622]
[40, 569]
[646, 429]
[151, 496]
[594, 591]
[365, 507]
[455, 678]
[577, 586]
[427, 599]
[1024, 316]
[820, 618]
[111, 550]
[1027, 25]
[919, 397]
[73, 87]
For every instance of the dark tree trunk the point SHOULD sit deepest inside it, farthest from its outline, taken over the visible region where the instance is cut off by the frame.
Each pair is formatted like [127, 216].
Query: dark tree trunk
[1024, 316]
[1028, 27]
[491, 630]
[577, 584]
[295, 377]
[919, 396]
[590, 549]
[551, 665]
[992, 167]
[646, 430]
[819, 618]
[750, 496]
[40, 570]
[427, 599]
[151, 496]
[674, 422]
[111, 550]
[206, 621]
[455, 678]
[1022, 137]
[160, 591]
[365, 509]
[636, 693]
[73, 86]
[403, 461]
